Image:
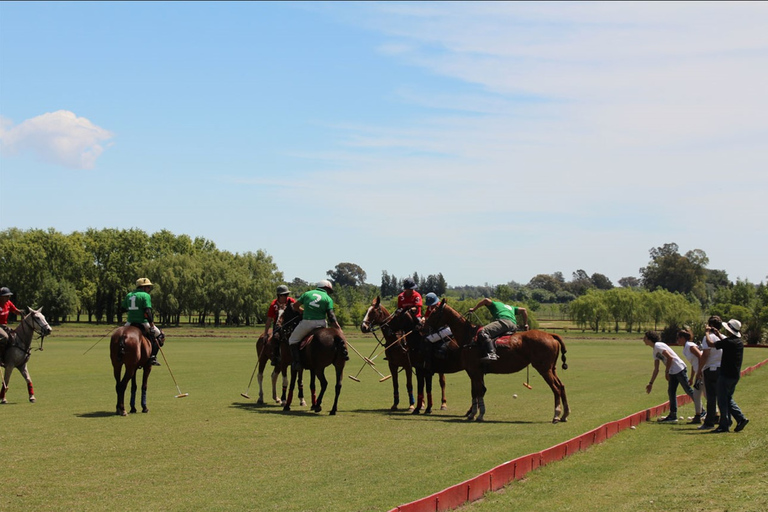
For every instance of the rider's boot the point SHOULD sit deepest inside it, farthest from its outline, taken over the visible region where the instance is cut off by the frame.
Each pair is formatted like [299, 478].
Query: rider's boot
[490, 350]
[155, 348]
[296, 356]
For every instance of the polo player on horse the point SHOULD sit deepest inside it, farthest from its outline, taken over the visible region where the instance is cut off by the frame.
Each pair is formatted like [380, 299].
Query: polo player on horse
[138, 303]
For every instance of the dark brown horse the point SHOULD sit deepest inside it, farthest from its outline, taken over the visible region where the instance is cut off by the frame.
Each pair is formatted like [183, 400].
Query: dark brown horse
[130, 348]
[286, 322]
[402, 342]
[538, 348]
[318, 350]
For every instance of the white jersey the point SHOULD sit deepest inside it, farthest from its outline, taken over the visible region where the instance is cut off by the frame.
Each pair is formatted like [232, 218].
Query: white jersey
[715, 354]
[677, 365]
[690, 356]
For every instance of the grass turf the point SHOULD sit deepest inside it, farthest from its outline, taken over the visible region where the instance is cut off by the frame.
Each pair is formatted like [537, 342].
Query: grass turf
[215, 450]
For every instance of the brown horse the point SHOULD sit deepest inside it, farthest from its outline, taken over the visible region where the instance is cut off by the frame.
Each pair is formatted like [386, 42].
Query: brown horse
[538, 348]
[19, 349]
[287, 320]
[320, 349]
[402, 340]
[130, 348]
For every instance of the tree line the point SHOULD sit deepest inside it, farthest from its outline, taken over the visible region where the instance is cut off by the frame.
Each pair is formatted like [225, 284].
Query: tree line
[86, 275]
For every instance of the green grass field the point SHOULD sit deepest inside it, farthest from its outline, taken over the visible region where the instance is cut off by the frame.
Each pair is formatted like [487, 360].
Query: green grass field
[215, 450]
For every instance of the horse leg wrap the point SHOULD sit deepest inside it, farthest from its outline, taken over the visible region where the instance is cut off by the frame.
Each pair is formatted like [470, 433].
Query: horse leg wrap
[30, 389]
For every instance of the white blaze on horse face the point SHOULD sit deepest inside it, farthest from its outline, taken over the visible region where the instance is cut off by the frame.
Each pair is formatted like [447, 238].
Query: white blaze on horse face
[366, 322]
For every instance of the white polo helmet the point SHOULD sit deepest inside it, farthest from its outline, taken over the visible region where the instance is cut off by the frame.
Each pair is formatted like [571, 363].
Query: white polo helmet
[325, 284]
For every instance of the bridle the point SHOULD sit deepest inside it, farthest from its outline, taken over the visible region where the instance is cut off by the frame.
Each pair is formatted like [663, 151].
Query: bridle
[34, 324]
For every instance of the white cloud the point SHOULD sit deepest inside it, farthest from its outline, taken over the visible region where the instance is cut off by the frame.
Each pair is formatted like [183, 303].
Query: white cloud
[58, 137]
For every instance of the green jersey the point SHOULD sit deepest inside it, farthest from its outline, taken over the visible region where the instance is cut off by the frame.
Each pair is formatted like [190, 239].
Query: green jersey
[501, 310]
[316, 304]
[136, 302]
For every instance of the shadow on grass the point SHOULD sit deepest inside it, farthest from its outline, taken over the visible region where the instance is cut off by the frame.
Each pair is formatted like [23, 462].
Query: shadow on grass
[96, 414]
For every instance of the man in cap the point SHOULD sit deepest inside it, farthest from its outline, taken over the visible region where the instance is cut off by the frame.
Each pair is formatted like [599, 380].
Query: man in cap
[730, 372]
[139, 306]
[316, 305]
[274, 312]
[409, 298]
[6, 307]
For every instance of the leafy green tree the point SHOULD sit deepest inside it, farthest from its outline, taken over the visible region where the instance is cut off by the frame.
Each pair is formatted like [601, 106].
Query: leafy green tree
[676, 273]
[601, 282]
[547, 282]
[347, 274]
[589, 310]
[630, 282]
[57, 298]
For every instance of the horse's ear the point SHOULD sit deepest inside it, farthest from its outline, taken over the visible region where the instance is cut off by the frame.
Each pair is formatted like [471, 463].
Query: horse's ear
[377, 301]
[443, 303]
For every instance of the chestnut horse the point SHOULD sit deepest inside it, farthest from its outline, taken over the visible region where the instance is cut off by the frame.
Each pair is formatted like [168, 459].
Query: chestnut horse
[19, 348]
[401, 341]
[287, 320]
[130, 348]
[319, 350]
[538, 348]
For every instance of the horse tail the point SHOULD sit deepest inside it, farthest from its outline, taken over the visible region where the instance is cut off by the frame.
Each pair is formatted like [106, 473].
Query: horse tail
[562, 350]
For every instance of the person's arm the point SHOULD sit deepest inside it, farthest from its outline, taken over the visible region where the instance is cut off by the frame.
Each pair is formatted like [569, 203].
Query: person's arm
[653, 376]
[15, 310]
[332, 319]
[485, 302]
[667, 363]
[149, 317]
[524, 313]
[700, 358]
[267, 325]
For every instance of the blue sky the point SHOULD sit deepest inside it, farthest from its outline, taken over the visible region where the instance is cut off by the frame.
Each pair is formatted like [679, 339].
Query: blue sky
[487, 141]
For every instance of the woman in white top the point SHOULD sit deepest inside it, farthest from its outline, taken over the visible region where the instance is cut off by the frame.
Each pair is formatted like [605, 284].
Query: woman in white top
[694, 355]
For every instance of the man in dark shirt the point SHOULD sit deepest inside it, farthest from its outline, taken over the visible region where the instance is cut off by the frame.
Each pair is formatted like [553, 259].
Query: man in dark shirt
[730, 371]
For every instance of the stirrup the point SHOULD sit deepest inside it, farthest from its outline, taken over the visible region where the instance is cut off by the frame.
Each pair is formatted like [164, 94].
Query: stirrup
[153, 361]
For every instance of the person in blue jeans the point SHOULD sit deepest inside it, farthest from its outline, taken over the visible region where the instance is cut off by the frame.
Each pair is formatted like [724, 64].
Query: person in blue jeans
[730, 372]
[676, 372]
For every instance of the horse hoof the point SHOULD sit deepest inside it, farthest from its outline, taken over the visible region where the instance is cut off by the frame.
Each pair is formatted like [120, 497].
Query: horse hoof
[260, 402]
[555, 421]
[32, 399]
[318, 408]
[479, 419]
[416, 411]
[303, 403]
[470, 418]
[393, 408]
[133, 410]
[279, 402]
[428, 410]
[332, 413]
[122, 413]
[282, 402]
[145, 410]
[286, 408]
[412, 407]
[444, 407]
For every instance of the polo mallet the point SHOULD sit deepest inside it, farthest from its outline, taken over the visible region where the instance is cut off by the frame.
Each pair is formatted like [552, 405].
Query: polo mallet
[527, 377]
[258, 358]
[180, 395]
[370, 358]
[370, 363]
[99, 341]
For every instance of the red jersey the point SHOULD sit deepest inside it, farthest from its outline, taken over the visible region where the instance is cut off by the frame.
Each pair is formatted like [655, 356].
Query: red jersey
[274, 308]
[5, 310]
[412, 300]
